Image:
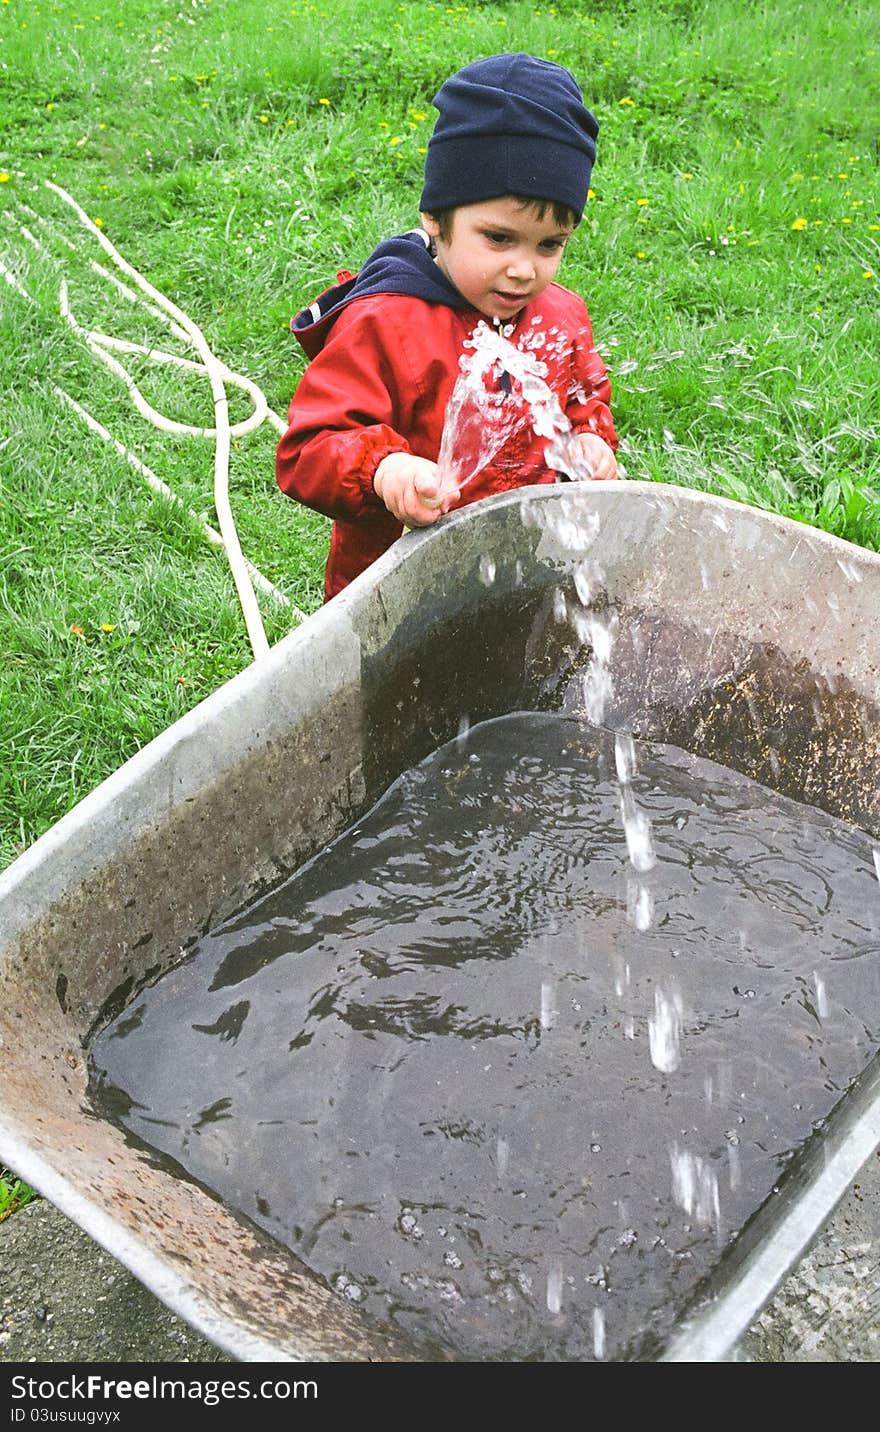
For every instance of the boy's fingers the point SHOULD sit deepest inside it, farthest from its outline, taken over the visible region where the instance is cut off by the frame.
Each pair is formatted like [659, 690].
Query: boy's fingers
[426, 485]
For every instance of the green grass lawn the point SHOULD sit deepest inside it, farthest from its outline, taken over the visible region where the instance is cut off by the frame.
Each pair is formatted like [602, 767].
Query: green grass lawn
[238, 151]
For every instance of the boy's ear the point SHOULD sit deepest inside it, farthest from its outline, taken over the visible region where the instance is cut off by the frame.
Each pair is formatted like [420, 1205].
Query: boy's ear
[430, 225]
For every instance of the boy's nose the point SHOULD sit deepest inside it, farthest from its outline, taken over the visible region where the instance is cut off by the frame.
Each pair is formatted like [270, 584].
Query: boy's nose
[521, 267]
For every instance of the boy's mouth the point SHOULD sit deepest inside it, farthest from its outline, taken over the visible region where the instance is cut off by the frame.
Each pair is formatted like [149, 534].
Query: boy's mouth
[510, 300]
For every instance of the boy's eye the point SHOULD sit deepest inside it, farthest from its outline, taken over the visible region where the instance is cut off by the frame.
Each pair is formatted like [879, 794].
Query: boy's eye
[552, 246]
[495, 236]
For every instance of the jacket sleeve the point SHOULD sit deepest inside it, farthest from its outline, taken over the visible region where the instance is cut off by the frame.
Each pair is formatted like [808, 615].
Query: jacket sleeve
[345, 417]
[589, 396]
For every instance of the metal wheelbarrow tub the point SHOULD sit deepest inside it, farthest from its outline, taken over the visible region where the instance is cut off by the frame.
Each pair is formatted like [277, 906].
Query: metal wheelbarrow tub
[742, 636]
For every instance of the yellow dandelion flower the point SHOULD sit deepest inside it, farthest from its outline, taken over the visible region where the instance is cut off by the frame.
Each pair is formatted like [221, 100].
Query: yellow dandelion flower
[868, 273]
[874, 226]
[50, 106]
[843, 176]
[105, 626]
[626, 100]
[591, 193]
[818, 268]
[687, 176]
[264, 119]
[4, 178]
[323, 101]
[641, 254]
[846, 221]
[98, 223]
[642, 202]
[395, 139]
[799, 224]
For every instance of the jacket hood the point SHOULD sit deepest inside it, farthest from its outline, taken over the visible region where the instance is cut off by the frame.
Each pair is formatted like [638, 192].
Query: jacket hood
[401, 265]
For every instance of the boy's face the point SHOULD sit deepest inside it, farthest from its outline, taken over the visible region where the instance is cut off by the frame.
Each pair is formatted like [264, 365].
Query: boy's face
[499, 254]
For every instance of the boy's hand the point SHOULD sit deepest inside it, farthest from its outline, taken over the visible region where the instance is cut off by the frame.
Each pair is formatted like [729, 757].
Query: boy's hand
[412, 490]
[598, 455]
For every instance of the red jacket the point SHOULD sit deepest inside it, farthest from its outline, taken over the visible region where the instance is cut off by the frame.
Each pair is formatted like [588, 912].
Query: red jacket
[380, 384]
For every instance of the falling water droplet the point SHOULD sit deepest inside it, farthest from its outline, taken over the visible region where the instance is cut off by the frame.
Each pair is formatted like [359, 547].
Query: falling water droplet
[734, 1168]
[554, 1288]
[639, 905]
[549, 1012]
[487, 570]
[599, 1334]
[637, 829]
[664, 1031]
[695, 1187]
[624, 757]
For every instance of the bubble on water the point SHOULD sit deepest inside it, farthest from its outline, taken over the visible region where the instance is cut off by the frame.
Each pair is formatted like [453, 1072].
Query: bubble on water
[487, 570]
[452, 1260]
[409, 1225]
[347, 1288]
[554, 1288]
[664, 1031]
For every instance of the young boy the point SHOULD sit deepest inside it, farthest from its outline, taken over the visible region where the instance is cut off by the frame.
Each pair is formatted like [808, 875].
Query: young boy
[506, 180]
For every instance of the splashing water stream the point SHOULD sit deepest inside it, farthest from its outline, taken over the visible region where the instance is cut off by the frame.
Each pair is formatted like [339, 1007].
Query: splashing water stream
[481, 418]
[483, 413]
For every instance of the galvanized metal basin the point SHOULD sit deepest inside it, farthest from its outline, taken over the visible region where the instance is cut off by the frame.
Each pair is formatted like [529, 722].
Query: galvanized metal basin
[742, 636]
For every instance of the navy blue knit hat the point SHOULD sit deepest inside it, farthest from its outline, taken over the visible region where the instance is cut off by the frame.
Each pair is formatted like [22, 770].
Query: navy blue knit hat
[510, 124]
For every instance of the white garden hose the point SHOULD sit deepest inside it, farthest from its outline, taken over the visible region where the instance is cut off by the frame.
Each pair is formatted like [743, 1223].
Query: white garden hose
[217, 373]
